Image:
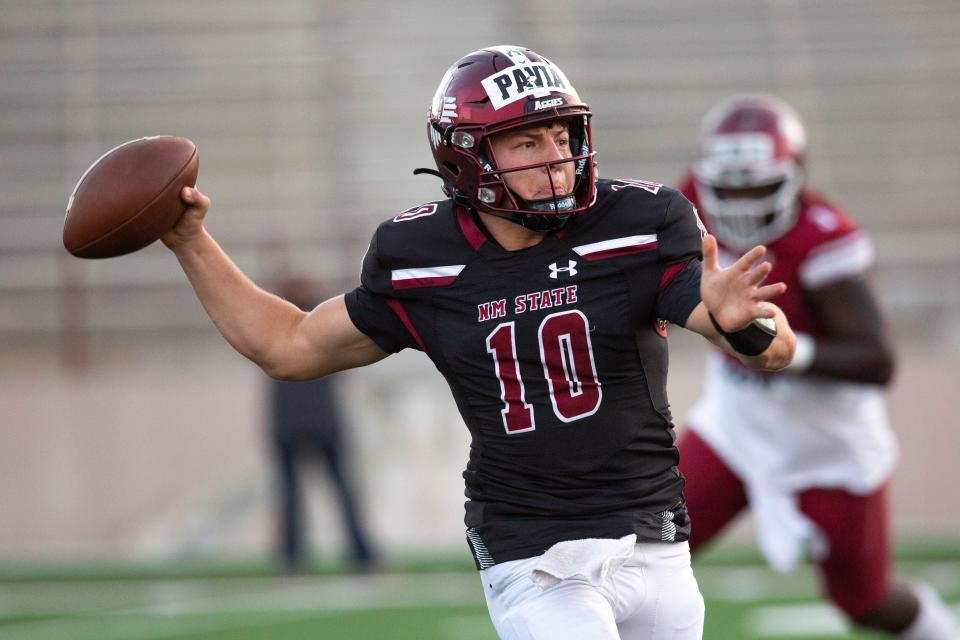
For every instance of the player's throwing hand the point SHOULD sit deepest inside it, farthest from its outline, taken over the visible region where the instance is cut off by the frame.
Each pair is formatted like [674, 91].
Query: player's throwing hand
[190, 224]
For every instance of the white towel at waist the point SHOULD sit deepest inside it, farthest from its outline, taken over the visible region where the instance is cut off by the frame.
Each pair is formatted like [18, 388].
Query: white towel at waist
[593, 559]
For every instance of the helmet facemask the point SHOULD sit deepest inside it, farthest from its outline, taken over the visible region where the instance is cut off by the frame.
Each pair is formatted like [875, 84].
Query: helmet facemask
[496, 196]
[745, 210]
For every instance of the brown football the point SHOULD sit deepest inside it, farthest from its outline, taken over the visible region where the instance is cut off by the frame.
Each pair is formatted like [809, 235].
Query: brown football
[129, 197]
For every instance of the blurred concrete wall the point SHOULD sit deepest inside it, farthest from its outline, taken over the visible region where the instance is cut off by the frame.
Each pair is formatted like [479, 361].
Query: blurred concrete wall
[125, 421]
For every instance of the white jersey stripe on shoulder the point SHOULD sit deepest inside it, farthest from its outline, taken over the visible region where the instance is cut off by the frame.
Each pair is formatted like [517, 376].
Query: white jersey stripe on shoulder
[844, 257]
[428, 272]
[617, 246]
[425, 276]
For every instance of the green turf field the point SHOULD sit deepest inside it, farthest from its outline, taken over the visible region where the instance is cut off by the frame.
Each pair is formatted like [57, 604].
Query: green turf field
[434, 599]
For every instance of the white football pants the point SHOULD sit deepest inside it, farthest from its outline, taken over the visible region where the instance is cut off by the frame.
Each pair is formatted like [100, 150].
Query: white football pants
[653, 596]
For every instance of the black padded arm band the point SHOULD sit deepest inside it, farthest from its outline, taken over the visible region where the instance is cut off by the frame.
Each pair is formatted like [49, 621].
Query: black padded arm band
[752, 340]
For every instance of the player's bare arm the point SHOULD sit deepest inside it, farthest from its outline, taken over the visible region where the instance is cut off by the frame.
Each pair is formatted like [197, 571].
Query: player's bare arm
[283, 340]
[736, 296]
[855, 346]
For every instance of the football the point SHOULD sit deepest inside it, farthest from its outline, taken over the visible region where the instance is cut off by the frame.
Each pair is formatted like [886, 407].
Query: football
[129, 197]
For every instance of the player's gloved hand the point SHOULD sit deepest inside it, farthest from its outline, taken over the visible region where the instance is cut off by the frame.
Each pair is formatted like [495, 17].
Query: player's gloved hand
[734, 295]
[190, 224]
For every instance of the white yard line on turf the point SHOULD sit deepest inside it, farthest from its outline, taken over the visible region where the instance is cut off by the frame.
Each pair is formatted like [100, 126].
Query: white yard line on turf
[180, 607]
[758, 583]
[811, 620]
[806, 620]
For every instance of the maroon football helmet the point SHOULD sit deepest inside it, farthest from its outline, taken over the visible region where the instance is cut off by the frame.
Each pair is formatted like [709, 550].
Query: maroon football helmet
[749, 172]
[495, 90]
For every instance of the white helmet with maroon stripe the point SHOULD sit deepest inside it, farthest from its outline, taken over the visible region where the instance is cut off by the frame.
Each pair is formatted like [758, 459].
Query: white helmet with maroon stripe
[749, 172]
[498, 89]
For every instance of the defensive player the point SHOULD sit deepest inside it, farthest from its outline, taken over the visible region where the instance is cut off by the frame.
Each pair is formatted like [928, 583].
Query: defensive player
[808, 449]
[541, 294]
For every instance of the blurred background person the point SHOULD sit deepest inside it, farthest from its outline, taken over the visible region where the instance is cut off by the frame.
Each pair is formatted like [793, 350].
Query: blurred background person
[307, 425]
[809, 449]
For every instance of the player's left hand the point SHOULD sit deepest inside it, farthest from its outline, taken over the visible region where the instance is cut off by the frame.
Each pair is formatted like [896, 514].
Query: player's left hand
[734, 295]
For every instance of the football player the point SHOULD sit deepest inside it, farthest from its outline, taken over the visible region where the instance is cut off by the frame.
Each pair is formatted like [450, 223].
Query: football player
[541, 293]
[809, 450]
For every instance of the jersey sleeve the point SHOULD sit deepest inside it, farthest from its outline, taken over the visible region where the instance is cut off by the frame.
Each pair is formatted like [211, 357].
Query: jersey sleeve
[374, 310]
[835, 248]
[679, 244]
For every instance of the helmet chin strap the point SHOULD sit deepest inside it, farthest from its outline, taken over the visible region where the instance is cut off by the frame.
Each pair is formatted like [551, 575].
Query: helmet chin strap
[536, 222]
[542, 223]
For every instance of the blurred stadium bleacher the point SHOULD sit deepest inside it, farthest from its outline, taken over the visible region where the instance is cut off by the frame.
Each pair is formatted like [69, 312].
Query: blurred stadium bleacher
[309, 116]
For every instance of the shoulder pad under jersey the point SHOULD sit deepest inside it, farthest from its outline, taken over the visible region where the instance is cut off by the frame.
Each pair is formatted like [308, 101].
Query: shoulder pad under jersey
[422, 246]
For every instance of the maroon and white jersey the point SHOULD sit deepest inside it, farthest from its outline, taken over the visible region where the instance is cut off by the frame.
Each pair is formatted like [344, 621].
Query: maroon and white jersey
[783, 432]
[556, 356]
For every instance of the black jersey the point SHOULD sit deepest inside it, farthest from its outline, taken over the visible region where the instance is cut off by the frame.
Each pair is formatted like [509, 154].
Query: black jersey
[556, 356]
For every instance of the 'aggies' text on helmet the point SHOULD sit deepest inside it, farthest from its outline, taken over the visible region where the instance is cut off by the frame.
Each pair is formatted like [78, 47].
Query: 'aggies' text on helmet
[749, 171]
[500, 89]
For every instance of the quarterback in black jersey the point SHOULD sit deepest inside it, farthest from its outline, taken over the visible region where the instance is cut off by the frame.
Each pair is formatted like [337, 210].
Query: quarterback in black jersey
[541, 293]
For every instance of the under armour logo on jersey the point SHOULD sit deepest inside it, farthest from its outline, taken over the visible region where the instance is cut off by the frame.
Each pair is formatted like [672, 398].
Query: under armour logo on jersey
[569, 269]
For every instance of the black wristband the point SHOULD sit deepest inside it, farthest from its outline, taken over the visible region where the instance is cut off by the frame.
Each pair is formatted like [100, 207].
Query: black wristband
[752, 340]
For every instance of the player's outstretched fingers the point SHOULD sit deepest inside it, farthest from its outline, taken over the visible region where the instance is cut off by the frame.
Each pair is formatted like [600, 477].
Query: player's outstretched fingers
[770, 291]
[709, 248]
[756, 276]
[750, 258]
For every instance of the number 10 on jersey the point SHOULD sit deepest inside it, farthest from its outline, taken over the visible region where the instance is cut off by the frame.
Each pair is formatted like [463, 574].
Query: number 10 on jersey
[566, 354]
